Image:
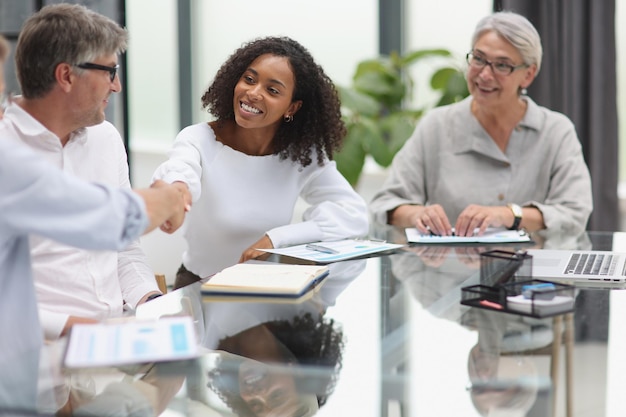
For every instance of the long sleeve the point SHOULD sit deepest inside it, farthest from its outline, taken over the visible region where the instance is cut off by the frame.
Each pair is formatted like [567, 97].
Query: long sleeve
[44, 201]
[52, 323]
[569, 200]
[136, 277]
[336, 211]
[184, 163]
[135, 274]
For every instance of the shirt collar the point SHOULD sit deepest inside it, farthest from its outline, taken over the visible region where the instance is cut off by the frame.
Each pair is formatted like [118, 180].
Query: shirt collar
[475, 132]
[28, 126]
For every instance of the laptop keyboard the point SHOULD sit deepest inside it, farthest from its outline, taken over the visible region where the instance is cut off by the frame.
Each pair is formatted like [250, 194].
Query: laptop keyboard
[591, 264]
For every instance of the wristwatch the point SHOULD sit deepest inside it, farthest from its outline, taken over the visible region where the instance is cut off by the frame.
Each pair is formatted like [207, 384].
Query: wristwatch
[517, 212]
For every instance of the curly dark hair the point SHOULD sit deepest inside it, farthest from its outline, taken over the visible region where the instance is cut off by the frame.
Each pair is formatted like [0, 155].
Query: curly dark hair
[315, 343]
[317, 124]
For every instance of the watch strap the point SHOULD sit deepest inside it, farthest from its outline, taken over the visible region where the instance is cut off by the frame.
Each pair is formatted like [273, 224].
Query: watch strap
[517, 213]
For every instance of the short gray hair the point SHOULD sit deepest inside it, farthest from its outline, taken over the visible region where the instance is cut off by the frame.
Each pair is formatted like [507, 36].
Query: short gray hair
[62, 33]
[517, 30]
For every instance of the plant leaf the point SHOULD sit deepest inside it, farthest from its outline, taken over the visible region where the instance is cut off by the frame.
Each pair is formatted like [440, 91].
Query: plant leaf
[456, 90]
[440, 78]
[411, 57]
[375, 107]
[398, 127]
[358, 102]
[351, 158]
[375, 143]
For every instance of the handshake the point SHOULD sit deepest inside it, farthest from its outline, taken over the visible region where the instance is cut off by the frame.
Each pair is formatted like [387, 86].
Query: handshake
[166, 205]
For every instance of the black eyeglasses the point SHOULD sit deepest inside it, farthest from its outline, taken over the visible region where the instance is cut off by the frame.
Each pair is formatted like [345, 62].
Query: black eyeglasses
[498, 67]
[90, 66]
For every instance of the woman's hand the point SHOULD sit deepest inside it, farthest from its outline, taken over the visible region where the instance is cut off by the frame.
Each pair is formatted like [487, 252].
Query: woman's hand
[432, 219]
[264, 243]
[481, 217]
[426, 219]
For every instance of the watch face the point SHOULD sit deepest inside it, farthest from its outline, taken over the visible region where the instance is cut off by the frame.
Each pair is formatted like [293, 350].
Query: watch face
[517, 210]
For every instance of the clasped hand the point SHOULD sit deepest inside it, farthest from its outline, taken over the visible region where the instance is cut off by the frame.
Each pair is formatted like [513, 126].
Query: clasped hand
[167, 208]
[433, 219]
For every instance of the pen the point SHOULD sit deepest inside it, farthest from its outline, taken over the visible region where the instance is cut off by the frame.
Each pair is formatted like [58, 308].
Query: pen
[320, 248]
[490, 304]
[452, 232]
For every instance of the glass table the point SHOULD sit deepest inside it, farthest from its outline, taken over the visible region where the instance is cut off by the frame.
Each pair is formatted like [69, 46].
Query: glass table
[383, 336]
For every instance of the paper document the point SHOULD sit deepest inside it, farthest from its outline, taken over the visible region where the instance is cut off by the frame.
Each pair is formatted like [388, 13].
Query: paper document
[277, 280]
[131, 342]
[491, 235]
[339, 250]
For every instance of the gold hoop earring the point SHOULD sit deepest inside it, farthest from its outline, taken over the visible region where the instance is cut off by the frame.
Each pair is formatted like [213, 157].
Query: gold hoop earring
[288, 118]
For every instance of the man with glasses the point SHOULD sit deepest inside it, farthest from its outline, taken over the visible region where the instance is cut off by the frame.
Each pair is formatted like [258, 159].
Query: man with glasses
[36, 197]
[67, 60]
[495, 159]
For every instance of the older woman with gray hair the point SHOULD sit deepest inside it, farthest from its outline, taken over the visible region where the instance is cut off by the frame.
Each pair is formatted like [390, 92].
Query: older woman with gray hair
[495, 159]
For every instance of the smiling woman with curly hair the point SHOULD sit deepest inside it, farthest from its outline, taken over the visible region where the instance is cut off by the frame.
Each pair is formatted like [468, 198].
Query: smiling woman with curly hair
[277, 124]
[319, 121]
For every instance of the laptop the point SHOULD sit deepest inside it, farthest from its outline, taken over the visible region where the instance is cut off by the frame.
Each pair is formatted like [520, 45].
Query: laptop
[579, 266]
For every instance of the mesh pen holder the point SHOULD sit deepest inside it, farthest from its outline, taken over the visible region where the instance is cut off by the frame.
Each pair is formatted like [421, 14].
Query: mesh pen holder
[498, 267]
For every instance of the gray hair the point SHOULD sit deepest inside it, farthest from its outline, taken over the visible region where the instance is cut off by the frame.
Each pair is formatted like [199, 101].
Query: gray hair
[517, 30]
[62, 33]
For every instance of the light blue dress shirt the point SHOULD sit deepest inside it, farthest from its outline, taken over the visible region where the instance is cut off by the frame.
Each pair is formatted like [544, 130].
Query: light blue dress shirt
[36, 198]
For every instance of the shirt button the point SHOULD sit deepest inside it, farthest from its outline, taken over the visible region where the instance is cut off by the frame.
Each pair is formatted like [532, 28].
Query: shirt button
[500, 197]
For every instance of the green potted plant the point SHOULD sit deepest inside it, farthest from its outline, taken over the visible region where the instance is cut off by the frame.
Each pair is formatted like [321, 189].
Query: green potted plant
[376, 108]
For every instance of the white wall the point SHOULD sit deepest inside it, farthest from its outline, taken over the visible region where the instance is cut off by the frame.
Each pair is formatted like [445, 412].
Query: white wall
[153, 74]
[432, 24]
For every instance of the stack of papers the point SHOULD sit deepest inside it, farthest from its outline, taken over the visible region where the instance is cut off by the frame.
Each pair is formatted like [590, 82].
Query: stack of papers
[257, 279]
[491, 235]
[557, 305]
[339, 250]
[131, 342]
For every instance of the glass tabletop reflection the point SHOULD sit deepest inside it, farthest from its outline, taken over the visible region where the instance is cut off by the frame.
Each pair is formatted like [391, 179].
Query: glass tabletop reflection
[384, 336]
